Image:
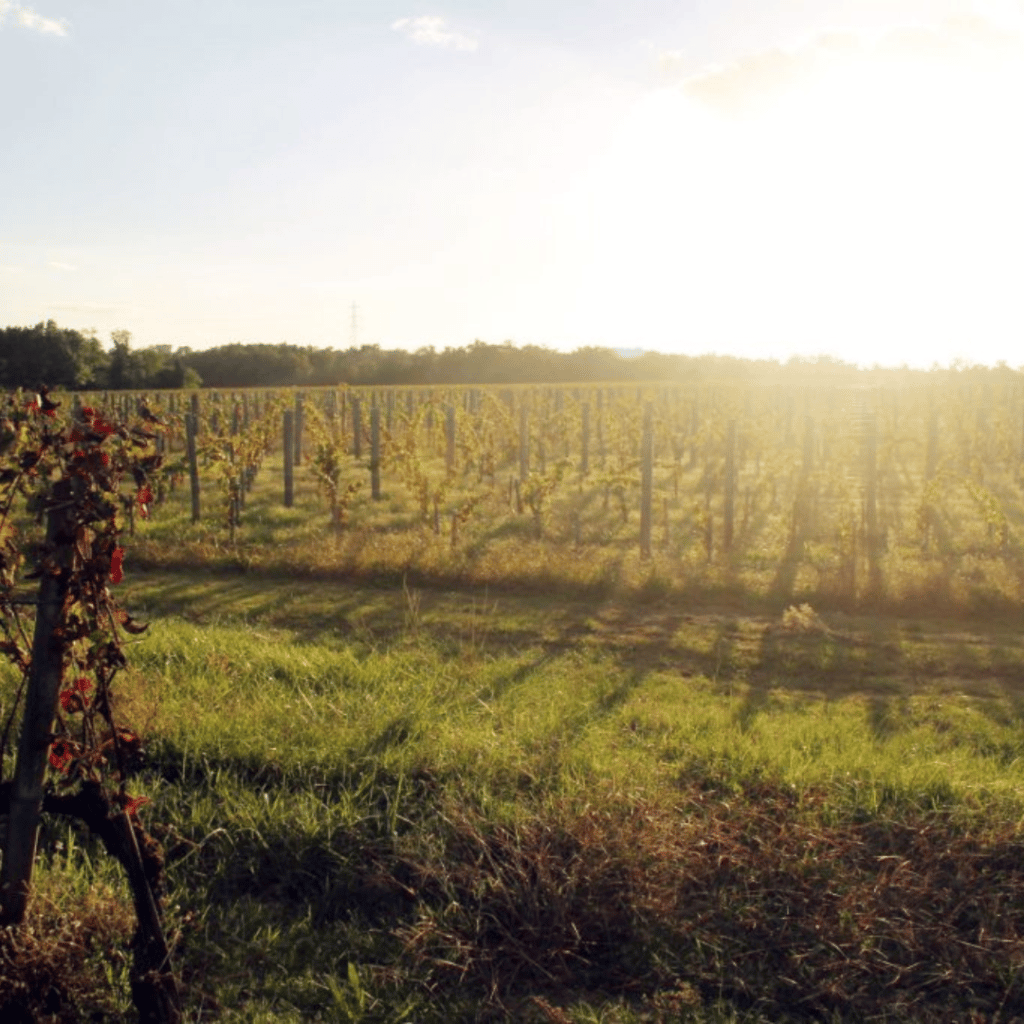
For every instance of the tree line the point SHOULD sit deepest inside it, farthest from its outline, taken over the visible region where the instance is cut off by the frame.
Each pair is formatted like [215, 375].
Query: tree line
[62, 357]
[54, 356]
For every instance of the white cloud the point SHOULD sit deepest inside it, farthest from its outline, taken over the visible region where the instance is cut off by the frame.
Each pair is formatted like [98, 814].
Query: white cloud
[28, 18]
[757, 76]
[9, 269]
[60, 266]
[430, 31]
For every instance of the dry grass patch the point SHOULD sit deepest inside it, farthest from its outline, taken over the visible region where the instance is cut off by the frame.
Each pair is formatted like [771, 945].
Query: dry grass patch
[746, 894]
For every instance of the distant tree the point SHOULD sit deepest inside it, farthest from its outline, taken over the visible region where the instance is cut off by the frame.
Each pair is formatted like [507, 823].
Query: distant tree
[49, 354]
[119, 373]
[91, 360]
[175, 375]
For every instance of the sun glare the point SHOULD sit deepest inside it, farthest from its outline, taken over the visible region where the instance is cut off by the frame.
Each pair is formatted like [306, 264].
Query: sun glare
[872, 209]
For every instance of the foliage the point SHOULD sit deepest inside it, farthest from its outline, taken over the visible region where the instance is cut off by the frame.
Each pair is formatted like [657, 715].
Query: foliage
[325, 456]
[236, 452]
[538, 488]
[50, 355]
[78, 464]
[69, 472]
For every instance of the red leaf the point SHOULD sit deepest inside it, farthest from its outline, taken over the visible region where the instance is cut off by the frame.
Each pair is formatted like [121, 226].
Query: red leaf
[60, 756]
[116, 573]
[132, 804]
[144, 497]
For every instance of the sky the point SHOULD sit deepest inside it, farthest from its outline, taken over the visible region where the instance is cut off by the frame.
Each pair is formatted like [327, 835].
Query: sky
[762, 178]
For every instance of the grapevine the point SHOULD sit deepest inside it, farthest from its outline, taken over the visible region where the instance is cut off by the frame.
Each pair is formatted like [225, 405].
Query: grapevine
[69, 471]
[326, 458]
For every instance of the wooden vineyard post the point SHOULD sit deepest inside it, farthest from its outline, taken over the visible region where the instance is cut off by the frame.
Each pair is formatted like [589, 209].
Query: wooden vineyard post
[234, 513]
[694, 426]
[375, 452]
[172, 410]
[585, 439]
[600, 427]
[802, 493]
[332, 407]
[449, 439]
[559, 406]
[981, 432]
[191, 429]
[646, 480]
[357, 427]
[871, 499]
[162, 443]
[709, 527]
[1021, 456]
[932, 456]
[657, 442]
[341, 423]
[390, 410]
[730, 486]
[524, 443]
[289, 458]
[34, 744]
[931, 459]
[298, 430]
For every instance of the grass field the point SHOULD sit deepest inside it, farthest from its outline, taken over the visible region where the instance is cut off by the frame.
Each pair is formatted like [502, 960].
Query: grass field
[506, 793]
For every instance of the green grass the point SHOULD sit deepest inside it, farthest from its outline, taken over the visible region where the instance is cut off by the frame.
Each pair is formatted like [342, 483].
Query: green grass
[480, 802]
[476, 708]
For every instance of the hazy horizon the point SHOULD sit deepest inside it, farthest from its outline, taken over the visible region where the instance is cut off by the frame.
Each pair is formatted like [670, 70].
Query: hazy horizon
[760, 180]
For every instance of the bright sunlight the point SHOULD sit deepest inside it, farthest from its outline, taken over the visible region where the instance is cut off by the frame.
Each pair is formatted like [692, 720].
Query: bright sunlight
[856, 197]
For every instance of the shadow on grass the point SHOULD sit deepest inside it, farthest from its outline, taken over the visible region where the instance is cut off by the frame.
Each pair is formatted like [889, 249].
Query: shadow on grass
[871, 654]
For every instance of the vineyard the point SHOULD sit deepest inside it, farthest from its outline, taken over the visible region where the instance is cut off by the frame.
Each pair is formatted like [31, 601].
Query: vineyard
[554, 705]
[842, 497]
